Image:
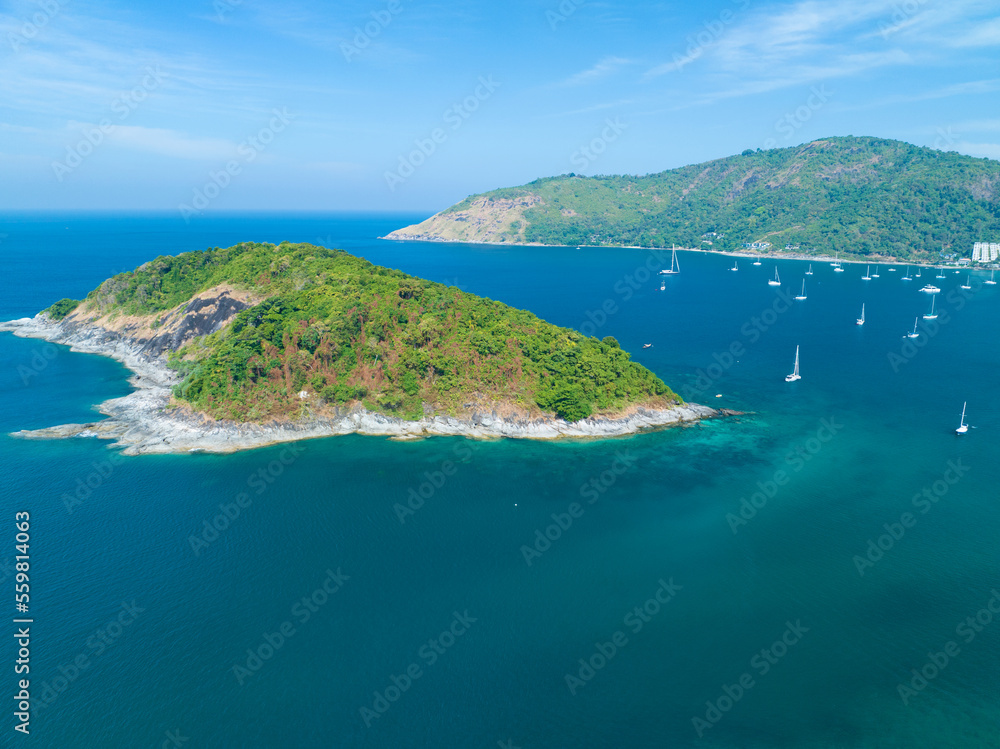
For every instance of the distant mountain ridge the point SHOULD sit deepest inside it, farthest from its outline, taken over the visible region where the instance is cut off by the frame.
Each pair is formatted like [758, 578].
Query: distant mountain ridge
[858, 196]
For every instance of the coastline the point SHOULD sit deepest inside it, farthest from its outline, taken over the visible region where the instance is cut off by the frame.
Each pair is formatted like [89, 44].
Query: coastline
[791, 255]
[142, 422]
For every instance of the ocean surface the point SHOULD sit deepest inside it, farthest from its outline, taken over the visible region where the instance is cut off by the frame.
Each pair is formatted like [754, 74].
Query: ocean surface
[817, 573]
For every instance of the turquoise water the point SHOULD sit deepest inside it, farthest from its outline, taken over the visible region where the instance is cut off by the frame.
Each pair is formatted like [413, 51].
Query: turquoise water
[856, 439]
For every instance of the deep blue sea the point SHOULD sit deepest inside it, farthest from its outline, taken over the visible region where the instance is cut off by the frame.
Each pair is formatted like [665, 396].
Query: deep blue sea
[817, 573]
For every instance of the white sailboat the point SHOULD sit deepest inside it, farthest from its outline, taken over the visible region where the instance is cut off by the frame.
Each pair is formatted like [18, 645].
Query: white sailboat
[861, 320]
[932, 315]
[756, 262]
[991, 282]
[875, 274]
[940, 273]
[907, 276]
[802, 296]
[736, 265]
[810, 271]
[962, 426]
[795, 373]
[674, 265]
[914, 334]
[663, 285]
[918, 272]
[836, 265]
[868, 274]
[968, 283]
[775, 281]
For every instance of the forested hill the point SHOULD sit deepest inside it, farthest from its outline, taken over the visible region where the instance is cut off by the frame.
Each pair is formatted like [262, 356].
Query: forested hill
[262, 331]
[853, 195]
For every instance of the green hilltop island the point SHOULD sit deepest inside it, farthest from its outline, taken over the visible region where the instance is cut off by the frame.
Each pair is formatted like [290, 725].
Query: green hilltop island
[256, 344]
[865, 198]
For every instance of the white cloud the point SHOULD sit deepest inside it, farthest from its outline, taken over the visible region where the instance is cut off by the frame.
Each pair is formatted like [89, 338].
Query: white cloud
[803, 75]
[592, 108]
[605, 67]
[979, 126]
[967, 88]
[990, 150]
[984, 34]
[679, 62]
[171, 143]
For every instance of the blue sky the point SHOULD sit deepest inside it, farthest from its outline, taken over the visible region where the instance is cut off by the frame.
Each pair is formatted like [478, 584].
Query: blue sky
[395, 104]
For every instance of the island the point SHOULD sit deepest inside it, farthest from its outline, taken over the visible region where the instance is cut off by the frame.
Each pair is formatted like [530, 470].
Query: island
[865, 198]
[258, 343]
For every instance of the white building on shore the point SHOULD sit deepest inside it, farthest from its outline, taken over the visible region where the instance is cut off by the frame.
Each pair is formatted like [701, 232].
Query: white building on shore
[985, 252]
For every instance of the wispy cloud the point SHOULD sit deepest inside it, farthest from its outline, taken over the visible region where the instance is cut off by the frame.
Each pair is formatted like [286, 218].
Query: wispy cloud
[164, 142]
[678, 63]
[978, 126]
[605, 66]
[989, 150]
[807, 42]
[966, 88]
[986, 34]
[593, 108]
[802, 75]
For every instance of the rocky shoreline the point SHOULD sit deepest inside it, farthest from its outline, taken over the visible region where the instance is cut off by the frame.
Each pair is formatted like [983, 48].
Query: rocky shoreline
[400, 235]
[142, 422]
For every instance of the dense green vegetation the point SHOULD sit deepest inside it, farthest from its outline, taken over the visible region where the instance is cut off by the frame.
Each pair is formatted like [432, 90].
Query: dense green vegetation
[60, 309]
[344, 330]
[857, 196]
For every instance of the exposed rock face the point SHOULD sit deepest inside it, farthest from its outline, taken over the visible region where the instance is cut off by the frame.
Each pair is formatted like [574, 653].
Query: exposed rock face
[159, 334]
[144, 422]
[201, 316]
[484, 220]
